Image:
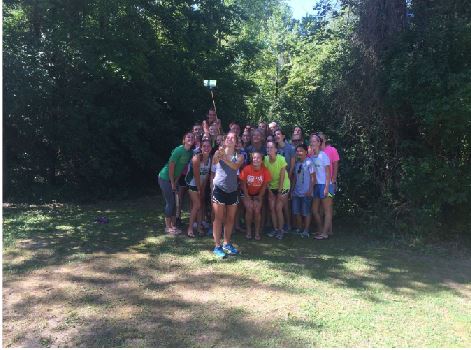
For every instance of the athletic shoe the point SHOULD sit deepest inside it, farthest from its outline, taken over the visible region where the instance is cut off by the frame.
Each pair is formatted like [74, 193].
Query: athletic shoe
[219, 252]
[305, 234]
[280, 235]
[272, 233]
[230, 249]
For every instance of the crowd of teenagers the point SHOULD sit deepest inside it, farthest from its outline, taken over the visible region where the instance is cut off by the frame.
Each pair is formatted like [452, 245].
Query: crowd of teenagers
[245, 180]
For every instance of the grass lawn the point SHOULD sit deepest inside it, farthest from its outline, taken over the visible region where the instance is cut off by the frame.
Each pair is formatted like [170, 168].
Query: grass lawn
[71, 282]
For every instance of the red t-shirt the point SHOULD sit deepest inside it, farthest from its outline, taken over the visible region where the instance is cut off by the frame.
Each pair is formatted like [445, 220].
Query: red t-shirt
[254, 178]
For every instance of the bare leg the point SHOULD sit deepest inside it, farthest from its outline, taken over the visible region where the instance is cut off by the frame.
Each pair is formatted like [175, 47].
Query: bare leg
[248, 202]
[272, 204]
[316, 214]
[218, 210]
[307, 223]
[299, 223]
[256, 212]
[229, 222]
[287, 213]
[327, 205]
[280, 203]
[195, 200]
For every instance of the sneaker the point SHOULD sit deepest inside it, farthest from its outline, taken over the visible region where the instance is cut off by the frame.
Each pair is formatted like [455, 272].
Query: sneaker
[280, 235]
[272, 233]
[219, 252]
[230, 249]
[305, 234]
[298, 232]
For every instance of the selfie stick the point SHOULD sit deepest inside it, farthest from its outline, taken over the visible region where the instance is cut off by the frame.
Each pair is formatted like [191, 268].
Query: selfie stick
[211, 84]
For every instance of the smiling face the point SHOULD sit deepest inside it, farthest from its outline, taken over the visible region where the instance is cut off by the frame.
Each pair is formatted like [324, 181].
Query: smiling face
[315, 142]
[257, 160]
[301, 153]
[246, 137]
[297, 131]
[206, 147]
[213, 130]
[231, 140]
[256, 136]
[189, 140]
[197, 130]
[271, 149]
[219, 140]
[279, 137]
[235, 128]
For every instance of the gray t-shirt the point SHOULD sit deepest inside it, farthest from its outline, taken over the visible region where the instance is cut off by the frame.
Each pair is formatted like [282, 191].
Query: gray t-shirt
[288, 151]
[303, 171]
[226, 177]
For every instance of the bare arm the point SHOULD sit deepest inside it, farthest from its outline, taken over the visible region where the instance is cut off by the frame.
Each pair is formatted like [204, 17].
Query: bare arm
[311, 185]
[236, 165]
[291, 166]
[282, 178]
[243, 184]
[335, 170]
[196, 171]
[327, 179]
[171, 174]
[262, 190]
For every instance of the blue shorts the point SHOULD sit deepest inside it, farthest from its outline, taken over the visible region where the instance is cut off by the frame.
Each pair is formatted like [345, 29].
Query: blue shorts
[301, 205]
[319, 191]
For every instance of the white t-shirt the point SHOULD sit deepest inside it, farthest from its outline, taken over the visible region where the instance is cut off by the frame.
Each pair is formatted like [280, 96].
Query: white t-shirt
[320, 162]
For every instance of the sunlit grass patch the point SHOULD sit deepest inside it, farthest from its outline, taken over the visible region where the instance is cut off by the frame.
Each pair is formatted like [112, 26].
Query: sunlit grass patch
[126, 282]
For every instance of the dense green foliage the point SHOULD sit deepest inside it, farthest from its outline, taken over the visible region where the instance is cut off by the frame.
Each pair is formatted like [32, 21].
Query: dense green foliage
[98, 92]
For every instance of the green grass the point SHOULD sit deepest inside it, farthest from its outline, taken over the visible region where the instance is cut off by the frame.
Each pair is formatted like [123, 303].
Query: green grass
[69, 281]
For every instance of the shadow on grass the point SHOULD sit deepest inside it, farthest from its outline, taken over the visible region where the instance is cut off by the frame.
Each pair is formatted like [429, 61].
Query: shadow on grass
[58, 235]
[139, 306]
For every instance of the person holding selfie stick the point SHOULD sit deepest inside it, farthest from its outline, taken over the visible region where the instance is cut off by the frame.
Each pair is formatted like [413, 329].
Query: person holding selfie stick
[225, 194]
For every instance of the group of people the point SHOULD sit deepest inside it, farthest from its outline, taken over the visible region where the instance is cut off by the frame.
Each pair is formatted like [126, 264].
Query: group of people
[255, 174]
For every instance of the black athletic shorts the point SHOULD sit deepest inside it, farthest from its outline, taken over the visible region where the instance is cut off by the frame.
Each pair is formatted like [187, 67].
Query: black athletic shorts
[182, 182]
[221, 197]
[283, 192]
